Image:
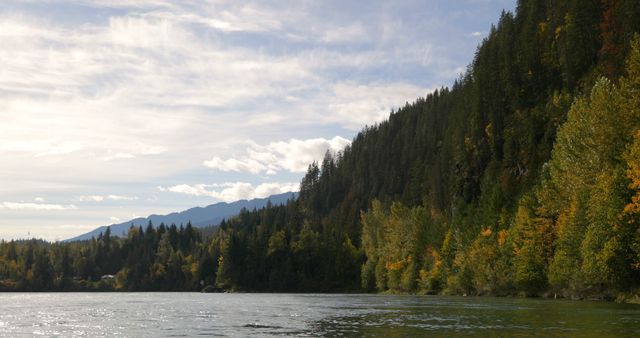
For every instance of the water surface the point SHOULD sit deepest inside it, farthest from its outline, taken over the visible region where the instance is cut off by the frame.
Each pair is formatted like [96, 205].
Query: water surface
[307, 315]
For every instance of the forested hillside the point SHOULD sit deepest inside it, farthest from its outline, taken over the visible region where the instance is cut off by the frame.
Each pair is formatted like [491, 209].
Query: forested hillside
[519, 179]
[523, 177]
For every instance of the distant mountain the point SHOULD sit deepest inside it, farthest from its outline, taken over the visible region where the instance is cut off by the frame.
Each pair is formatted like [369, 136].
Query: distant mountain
[198, 216]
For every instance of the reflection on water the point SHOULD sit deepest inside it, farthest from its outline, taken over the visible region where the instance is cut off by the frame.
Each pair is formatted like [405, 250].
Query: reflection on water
[192, 314]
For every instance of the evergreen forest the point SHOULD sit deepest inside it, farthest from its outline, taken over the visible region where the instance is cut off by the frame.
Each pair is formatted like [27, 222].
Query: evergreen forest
[521, 178]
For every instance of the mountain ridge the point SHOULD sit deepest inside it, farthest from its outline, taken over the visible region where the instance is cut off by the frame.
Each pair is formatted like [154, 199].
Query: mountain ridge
[198, 216]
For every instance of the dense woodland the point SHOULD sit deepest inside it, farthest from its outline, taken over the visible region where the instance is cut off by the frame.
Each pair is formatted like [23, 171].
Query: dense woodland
[522, 178]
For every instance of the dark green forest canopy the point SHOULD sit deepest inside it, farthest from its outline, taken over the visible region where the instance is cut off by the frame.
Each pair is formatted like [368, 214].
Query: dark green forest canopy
[521, 178]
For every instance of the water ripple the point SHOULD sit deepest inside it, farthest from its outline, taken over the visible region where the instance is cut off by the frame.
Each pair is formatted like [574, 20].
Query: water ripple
[242, 315]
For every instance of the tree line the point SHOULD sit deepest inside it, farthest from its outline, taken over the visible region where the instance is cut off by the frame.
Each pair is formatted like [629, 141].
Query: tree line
[521, 178]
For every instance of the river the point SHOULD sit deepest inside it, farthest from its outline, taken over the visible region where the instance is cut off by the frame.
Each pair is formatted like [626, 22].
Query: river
[307, 315]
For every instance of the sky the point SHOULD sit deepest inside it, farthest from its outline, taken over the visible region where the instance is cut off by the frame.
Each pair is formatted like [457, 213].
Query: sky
[116, 109]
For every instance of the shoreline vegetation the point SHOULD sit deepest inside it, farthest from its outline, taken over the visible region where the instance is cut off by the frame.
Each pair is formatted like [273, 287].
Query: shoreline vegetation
[522, 179]
[101, 287]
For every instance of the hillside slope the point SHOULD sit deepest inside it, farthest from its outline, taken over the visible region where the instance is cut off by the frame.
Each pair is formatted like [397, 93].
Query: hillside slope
[462, 190]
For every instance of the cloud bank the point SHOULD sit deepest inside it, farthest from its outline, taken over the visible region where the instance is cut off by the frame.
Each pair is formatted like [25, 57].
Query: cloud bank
[233, 191]
[27, 206]
[293, 156]
[100, 198]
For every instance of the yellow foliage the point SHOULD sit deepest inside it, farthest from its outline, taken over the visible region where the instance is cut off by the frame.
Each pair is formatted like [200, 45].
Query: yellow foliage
[502, 237]
[121, 278]
[423, 275]
[158, 271]
[486, 232]
[489, 130]
[542, 27]
[395, 266]
[468, 143]
[633, 173]
[558, 32]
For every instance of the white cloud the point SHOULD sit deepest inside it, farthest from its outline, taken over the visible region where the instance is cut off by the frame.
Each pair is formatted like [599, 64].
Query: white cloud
[357, 105]
[121, 198]
[100, 101]
[292, 156]
[233, 191]
[114, 219]
[100, 198]
[39, 199]
[120, 3]
[27, 206]
[41, 147]
[476, 34]
[91, 198]
[353, 33]
[245, 18]
[248, 165]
